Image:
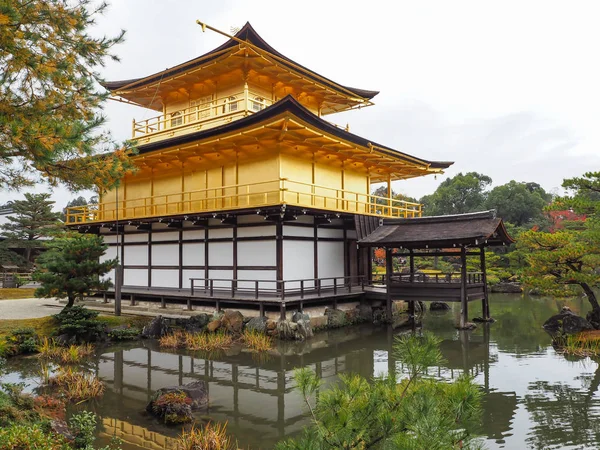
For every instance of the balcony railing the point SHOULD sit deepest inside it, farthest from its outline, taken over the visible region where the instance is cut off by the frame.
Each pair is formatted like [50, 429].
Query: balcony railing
[240, 196]
[206, 115]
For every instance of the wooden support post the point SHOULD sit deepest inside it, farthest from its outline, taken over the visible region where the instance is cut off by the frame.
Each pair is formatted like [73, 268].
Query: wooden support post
[485, 304]
[218, 305]
[389, 268]
[282, 311]
[132, 300]
[464, 304]
[261, 309]
[411, 260]
[163, 303]
[104, 298]
[189, 303]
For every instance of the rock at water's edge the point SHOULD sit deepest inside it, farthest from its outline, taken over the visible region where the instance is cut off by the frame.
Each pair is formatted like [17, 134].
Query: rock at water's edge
[566, 323]
[196, 391]
[257, 324]
[506, 287]
[439, 306]
[157, 328]
[233, 321]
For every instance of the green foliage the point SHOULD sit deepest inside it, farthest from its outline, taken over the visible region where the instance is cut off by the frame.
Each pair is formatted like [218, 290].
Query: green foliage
[413, 414]
[33, 219]
[71, 267]
[83, 426]
[382, 191]
[585, 195]
[518, 203]
[457, 195]
[30, 436]
[20, 341]
[80, 323]
[124, 334]
[50, 121]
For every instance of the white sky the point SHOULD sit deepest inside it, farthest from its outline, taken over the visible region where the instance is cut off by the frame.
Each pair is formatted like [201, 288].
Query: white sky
[509, 89]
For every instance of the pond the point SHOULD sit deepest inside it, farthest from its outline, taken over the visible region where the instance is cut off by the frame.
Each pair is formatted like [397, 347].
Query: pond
[534, 397]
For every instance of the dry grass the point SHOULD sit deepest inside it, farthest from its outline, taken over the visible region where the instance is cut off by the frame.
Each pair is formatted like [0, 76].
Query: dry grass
[43, 326]
[210, 437]
[16, 293]
[77, 386]
[256, 341]
[196, 341]
[73, 354]
[586, 343]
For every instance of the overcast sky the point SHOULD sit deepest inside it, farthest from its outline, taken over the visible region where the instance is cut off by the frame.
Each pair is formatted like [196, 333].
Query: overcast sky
[509, 89]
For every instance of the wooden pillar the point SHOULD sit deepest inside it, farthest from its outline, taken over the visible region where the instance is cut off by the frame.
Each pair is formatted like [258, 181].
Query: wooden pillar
[279, 255]
[464, 304]
[485, 304]
[411, 259]
[389, 268]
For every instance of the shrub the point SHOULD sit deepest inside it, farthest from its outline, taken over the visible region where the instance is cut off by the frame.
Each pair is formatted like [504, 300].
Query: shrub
[210, 437]
[79, 323]
[20, 341]
[83, 426]
[73, 354]
[172, 340]
[30, 436]
[124, 334]
[207, 342]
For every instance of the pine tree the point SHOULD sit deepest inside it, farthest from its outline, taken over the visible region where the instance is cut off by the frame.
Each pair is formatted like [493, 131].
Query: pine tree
[50, 99]
[71, 267]
[32, 221]
[414, 413]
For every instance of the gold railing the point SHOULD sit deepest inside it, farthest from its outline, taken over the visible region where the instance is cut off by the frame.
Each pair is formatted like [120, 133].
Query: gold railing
[240, 196]
[216, 110]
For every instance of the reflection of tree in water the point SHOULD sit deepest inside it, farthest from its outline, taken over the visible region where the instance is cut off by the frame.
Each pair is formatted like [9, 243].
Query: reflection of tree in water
[564, 414]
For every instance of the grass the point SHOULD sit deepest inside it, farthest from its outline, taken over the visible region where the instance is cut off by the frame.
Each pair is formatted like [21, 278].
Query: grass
[586, 343]
[16, 293]
[77, 386]
[256, 341]
[196, 341]
[209, 437]
[73, 354]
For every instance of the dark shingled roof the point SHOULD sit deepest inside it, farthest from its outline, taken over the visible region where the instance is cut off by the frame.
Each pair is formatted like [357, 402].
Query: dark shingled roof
[287, 104]
[473, 229]
[247, 33]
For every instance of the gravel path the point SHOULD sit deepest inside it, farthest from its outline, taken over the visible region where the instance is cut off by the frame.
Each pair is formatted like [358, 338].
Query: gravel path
[28, 308]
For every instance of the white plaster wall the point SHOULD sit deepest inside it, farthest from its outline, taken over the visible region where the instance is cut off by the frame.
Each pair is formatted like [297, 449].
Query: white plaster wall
[165, 278]
[165, 255]
[110, 253]
[193, 254]
[298, 262]
[165, 236]
[217, 233]
[142, 237]
[257, 275]
[136, 255]
[267, 230]
[193, 234]
[110, 276]
[330, 260]
[187, 274]
[290, 230]
[330, 233]
[109, 239]
[135, 277]
[220, 253]
[256, 253]
[221, 274]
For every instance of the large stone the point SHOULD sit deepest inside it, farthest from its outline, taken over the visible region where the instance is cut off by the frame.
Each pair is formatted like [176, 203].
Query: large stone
[566, 322]
[506, 287]
[294, 331]
[593, 317]
[213, 325]
[159, 327]
[195, 323]
[196, 392]
[439, 306]
[233, 321]
[60, 427]
[365, 313]
[336, 318]
[297, 316]
[257, 324]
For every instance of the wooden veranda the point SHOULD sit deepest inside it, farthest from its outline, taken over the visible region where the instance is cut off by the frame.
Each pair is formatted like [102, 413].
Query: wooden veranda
[455, 235]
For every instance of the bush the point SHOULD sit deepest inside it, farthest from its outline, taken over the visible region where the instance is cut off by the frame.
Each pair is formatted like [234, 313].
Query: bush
[83, 426]
[124, 334]
[18, 342]
[79, 323]
[30, 436]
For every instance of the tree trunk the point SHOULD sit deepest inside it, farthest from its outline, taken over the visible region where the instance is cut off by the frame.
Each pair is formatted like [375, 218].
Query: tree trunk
[590, 296]
[70, 301]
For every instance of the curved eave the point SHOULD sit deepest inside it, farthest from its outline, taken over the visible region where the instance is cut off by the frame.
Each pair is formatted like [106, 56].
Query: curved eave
[473, 229]
[291, 106]
[247, 33]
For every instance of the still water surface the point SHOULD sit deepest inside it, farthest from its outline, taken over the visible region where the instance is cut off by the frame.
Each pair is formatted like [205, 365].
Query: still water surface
[534, 397]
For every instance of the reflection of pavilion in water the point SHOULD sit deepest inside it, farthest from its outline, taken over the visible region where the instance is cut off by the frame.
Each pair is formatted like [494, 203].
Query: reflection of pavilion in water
[257, 398]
